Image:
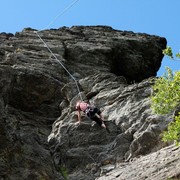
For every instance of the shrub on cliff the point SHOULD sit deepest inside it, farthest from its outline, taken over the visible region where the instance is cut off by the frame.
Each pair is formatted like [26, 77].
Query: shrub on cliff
[165, 98]
[168, 52]
[173, 132]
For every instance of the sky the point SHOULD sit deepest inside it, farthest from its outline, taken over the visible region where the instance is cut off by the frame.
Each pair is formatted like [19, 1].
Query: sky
[154, 17]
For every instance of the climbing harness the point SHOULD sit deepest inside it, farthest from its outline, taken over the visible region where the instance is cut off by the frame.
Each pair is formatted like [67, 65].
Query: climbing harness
[57, 60]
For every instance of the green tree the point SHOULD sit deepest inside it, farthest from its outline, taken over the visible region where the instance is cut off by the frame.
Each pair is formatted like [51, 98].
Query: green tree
[173, 132]
[165, 98]
[168, 52]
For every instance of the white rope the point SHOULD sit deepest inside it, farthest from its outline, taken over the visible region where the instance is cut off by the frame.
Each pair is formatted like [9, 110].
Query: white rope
[57, 60]
[61, 13]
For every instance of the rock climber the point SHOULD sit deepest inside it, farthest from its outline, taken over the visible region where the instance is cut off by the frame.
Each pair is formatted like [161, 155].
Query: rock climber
[91, 111]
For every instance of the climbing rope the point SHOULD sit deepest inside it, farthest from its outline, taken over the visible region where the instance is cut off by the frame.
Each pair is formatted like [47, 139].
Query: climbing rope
[58, 61]
[62, 12]
[55, 57]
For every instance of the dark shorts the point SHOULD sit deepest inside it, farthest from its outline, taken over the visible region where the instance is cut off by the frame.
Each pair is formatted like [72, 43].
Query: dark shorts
[91, 114]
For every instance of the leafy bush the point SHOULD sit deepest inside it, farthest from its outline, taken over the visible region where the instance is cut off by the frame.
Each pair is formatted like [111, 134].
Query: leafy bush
[173, 132]
[165, 98]
[166, 92]
[168, 52]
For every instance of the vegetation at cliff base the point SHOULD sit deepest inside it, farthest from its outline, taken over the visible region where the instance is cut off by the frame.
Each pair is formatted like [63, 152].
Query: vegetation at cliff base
[166, 98]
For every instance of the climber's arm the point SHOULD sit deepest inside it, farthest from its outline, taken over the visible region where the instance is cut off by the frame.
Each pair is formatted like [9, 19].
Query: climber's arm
[79, 116]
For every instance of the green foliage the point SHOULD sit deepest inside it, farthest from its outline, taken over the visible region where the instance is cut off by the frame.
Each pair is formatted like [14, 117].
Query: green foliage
[173, 132]
[178, 55]
[165, 98]
[166, 92]
[63, 172]
[168, 52]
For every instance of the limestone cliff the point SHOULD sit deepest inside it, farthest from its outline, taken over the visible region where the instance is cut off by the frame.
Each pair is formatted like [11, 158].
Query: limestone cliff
[115, 71]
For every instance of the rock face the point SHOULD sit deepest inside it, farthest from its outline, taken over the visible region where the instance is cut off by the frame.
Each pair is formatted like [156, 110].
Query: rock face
[134, 129]
[158, 165]
[39, 138]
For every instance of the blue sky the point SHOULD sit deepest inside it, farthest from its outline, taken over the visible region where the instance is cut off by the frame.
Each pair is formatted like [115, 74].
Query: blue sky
[155, 17]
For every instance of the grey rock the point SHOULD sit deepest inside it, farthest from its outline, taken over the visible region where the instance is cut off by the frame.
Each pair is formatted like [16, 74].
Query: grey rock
[163, 164]
[39, 138]
[134, 130]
